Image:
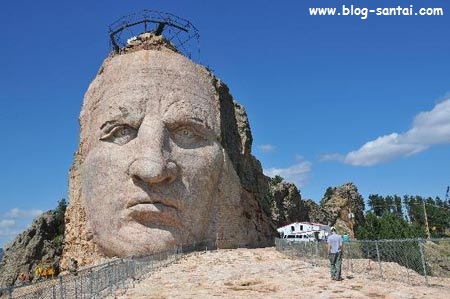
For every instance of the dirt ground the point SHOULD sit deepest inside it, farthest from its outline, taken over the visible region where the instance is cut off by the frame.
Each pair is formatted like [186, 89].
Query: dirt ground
[264, 273]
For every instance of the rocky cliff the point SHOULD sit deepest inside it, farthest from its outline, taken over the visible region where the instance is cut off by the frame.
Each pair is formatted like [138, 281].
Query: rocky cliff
[286, 205]
[315, 212]
[39, 245]
[341, 206]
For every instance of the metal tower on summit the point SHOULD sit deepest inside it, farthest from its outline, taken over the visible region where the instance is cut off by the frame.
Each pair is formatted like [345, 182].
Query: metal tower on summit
[178, 31]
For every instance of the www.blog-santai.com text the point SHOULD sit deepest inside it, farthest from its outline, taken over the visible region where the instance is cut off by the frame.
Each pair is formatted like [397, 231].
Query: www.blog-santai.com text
[366, 12]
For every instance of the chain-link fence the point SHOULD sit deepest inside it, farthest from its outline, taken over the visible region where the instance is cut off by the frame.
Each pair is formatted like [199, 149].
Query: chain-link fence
[101, 280]
[413, 261]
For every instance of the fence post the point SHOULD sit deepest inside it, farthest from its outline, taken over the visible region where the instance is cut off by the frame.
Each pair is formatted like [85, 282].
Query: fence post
[116, 274]
[317, 253]
[53, 292]
[61, 288]
[97, 282]
[81, 284]
[122, 273]
[378, 258]
[424, 264]
[75, 284]
[113, 277]
[347, 255]
[133, 271]
[108, 271]
[153, 263]
[91, 283]
[350, 257]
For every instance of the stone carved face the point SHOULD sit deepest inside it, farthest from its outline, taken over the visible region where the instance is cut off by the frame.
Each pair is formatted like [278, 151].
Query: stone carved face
[152, 153]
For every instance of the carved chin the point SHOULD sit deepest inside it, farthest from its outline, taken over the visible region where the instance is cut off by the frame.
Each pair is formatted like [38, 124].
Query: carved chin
[133, 238]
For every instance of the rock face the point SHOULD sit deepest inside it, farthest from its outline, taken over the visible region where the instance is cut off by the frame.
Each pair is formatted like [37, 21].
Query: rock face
[344, 208]
[287, 205]
[164, 158]
[1, 254]
[37, 246]
[148, 41]
[315, 212]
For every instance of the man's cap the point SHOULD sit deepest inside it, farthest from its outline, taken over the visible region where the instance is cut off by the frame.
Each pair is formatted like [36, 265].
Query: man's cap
[333, 229]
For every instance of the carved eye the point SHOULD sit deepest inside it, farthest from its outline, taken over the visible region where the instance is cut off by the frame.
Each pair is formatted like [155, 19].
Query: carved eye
[120, 134]
[187, 137]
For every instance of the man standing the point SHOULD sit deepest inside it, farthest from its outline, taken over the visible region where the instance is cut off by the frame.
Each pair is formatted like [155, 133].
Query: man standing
[335, 250]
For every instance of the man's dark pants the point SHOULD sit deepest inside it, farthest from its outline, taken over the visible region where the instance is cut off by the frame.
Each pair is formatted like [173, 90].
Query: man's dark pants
[335, 265]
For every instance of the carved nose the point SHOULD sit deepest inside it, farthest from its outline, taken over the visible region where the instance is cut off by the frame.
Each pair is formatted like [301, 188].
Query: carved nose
[152, 172]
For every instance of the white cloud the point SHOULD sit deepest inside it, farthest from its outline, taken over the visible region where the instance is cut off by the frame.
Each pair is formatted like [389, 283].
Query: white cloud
[383, 149]
[297, 173]
[7, 223]
[332, 157]
[267, 148]
[8, 228]
[15, 221]
[432, 127]
[429, 128]
[7, 232]
[18, 213]
[299, 158]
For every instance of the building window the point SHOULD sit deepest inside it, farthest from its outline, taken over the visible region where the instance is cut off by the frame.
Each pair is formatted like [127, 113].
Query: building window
[292, 228]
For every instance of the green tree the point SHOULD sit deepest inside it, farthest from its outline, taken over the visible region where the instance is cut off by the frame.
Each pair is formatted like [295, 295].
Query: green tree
[60, 212]
[369, 229]
[328, 194]
[398, 206]
[388, 226]
[276, 180]
[376, 204]
[438, 216]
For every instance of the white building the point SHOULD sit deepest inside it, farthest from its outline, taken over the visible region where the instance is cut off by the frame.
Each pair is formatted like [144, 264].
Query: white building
[318, 230]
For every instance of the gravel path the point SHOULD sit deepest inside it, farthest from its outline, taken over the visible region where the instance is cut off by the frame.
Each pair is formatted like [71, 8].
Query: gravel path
[263, 273]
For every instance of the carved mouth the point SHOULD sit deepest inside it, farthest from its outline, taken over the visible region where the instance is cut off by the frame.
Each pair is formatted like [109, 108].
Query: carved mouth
[154, 213]
[159, 204]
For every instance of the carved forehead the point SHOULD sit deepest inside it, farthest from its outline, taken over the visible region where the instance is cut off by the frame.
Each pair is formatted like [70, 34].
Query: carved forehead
[167, 84]
[152, 72]
[162, 80]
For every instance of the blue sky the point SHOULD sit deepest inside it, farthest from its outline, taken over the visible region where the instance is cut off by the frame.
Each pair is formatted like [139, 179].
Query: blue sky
[330, 99]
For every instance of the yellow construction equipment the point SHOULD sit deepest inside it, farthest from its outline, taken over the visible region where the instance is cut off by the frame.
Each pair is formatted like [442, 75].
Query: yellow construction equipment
[44, 271]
